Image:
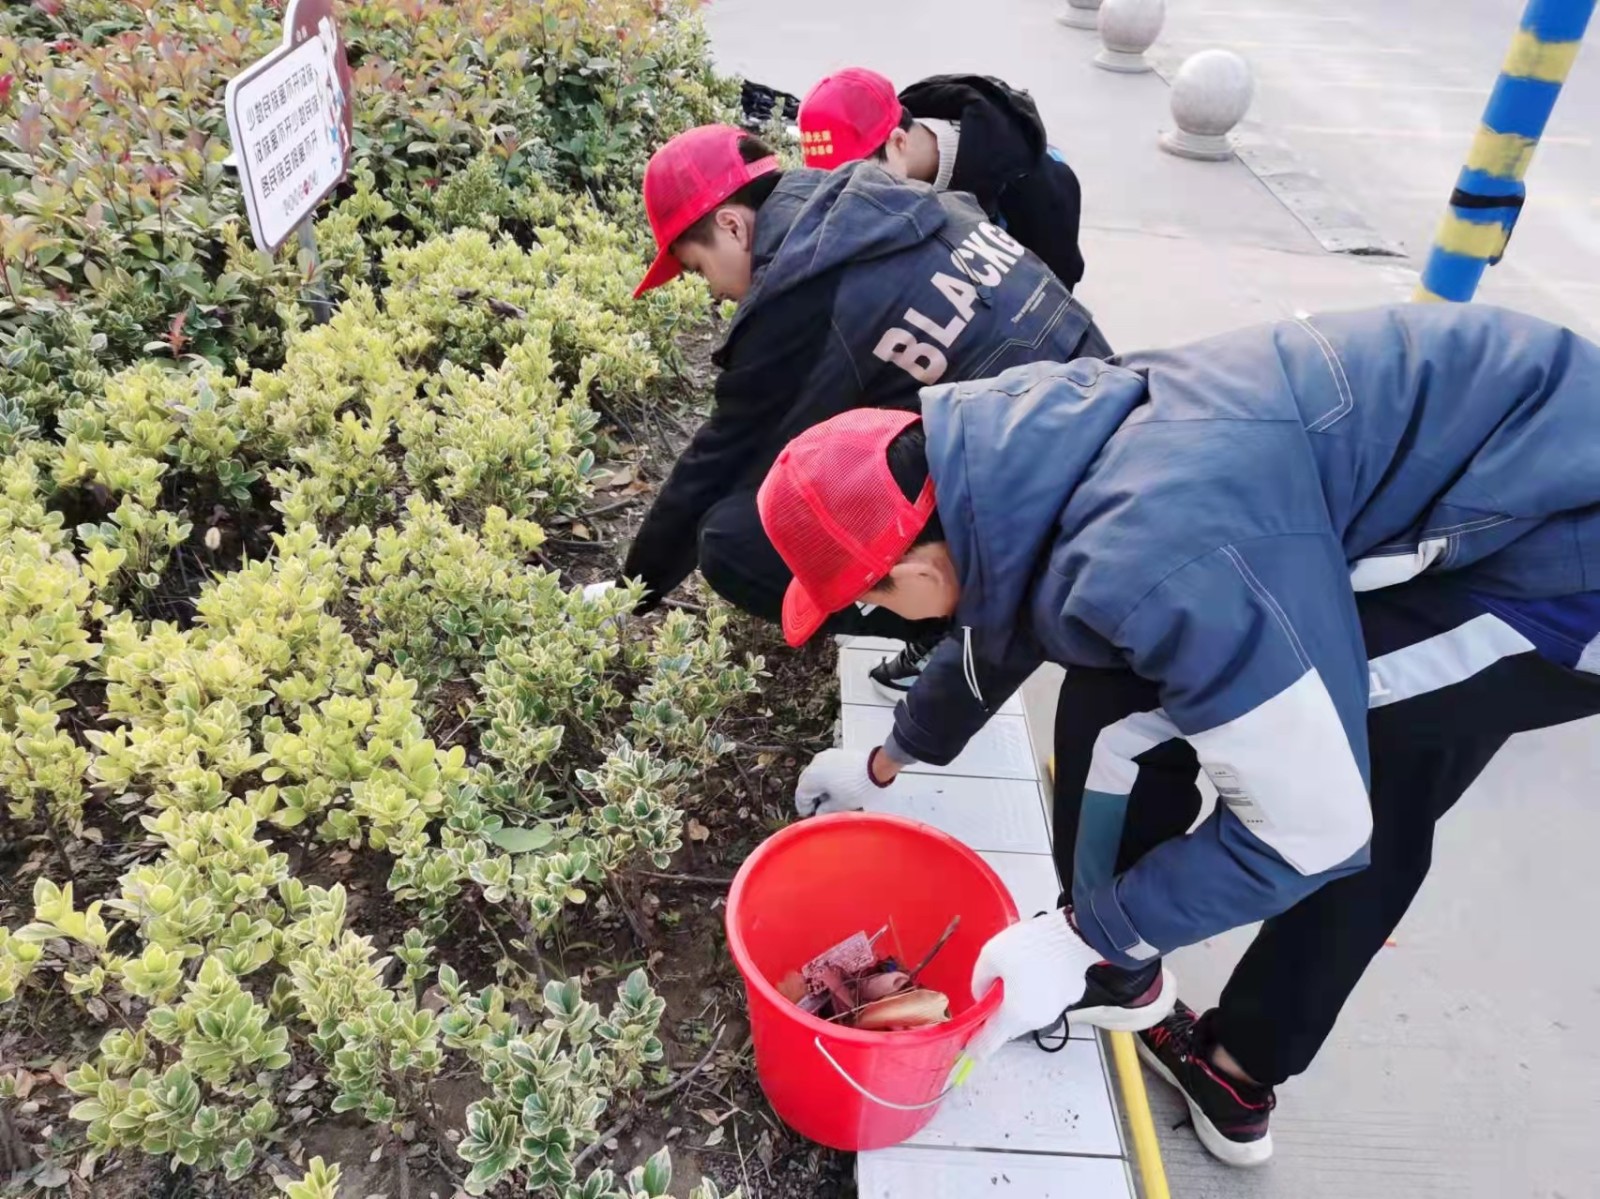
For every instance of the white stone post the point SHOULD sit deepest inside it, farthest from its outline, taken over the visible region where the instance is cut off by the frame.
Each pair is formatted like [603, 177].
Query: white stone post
[1127, 29]
[1080, 14]
[1210, 96]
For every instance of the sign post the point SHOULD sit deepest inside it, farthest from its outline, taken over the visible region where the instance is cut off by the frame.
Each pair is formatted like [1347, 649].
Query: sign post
[290, 120]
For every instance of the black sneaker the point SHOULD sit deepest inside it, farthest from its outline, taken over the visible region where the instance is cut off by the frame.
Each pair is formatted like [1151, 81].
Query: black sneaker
[1118, 999]
[1125, 1000]
[1230, 1116]
[894, 676]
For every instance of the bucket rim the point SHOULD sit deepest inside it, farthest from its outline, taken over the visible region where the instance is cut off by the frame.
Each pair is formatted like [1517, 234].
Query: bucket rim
[973, 1018]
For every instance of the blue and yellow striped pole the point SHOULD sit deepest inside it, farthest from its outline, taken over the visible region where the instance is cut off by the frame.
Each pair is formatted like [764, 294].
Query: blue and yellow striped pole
[1489, 192]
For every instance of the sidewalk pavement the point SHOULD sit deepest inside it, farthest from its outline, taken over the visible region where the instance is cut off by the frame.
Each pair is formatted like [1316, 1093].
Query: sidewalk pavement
[1463, 1065]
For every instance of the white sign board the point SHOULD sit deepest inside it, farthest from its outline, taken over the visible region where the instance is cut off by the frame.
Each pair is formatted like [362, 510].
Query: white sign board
[289, 118]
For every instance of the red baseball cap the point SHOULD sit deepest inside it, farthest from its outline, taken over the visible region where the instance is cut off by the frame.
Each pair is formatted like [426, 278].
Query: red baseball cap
[847, 116]
[836, 516]
[687, 178]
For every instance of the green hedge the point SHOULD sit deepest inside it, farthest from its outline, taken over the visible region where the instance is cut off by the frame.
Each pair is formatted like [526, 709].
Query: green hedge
[295, 570]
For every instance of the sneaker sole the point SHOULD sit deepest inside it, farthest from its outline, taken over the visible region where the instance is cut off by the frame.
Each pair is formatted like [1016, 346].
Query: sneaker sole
[1131, 1019]
[895, 694]
[1242, 1155]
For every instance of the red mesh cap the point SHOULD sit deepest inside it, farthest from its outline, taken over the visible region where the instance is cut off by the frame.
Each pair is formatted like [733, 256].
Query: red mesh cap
[836, 516]
[847, 116]
[687, 178]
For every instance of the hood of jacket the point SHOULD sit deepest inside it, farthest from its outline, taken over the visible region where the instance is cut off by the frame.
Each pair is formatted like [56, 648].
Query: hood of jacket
[1002, 135]
[815, 221]
[1006, 455]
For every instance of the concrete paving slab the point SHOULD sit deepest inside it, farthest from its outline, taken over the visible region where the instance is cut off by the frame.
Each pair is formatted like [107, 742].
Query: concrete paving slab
[1005, 815]
[1028, 1101]
[1031, 879]
[954, 1174]
[1000, 751]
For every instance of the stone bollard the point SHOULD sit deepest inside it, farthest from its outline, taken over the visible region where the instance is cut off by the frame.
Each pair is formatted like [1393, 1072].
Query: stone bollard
[1127, 29]
[1080, 14]
[1210, 96]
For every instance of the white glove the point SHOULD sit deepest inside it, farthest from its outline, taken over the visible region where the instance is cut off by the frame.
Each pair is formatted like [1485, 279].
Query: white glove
[1042, 963]
[838, 780]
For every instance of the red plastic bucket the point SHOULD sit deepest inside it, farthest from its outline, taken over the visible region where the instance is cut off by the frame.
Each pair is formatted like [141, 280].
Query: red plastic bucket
[808, 888]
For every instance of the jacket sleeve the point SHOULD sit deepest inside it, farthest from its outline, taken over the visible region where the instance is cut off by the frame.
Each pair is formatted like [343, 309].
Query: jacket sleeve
[942, 712]
[1042, 211]
[1257, 651]
[779, 365]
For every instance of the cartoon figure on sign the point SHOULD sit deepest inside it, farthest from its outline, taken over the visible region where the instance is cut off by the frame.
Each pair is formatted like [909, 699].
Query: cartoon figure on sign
[333, 96]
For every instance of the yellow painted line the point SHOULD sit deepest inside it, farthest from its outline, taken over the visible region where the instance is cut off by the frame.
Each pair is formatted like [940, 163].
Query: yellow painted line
[1146, 1148]
[1530, 58]
[1472, 238]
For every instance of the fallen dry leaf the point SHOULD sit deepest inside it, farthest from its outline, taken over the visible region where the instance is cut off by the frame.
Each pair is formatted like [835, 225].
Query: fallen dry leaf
[716, 1136]
[698, 831]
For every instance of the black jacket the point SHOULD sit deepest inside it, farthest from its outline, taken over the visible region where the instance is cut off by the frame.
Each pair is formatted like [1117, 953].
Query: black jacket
[865, 289]
[1004, 160]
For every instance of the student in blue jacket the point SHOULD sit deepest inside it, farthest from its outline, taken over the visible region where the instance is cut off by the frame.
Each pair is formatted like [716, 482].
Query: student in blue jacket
[1273, 530]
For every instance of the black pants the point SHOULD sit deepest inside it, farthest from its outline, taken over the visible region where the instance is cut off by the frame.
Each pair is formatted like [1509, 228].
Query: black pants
[741, 566]
[1426, 749]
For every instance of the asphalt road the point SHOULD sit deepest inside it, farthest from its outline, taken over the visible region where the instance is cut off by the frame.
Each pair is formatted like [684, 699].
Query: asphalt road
[1382, 97]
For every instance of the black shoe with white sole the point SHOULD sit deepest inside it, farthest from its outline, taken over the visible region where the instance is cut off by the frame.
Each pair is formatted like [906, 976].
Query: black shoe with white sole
[893, 677]
[1230, 1117]
[1118, 999]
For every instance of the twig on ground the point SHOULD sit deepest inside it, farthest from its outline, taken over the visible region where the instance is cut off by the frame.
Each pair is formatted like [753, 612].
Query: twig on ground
[704, 880]
[686, 605]
[672, 1088]
[616, 1130]
[744, 1171]
[444, 1165]
[625, 502]
[404, 1173]
[605, 547]
[282, 1165]
[615, 417]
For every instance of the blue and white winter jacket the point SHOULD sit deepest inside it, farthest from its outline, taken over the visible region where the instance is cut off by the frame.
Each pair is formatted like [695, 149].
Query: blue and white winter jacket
[1204, 517]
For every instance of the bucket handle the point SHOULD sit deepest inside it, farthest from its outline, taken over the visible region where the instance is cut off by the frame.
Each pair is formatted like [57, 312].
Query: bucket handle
[957, 1077]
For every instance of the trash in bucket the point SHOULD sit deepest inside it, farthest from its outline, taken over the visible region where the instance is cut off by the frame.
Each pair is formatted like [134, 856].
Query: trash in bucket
[823, 884]
[855, 983]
